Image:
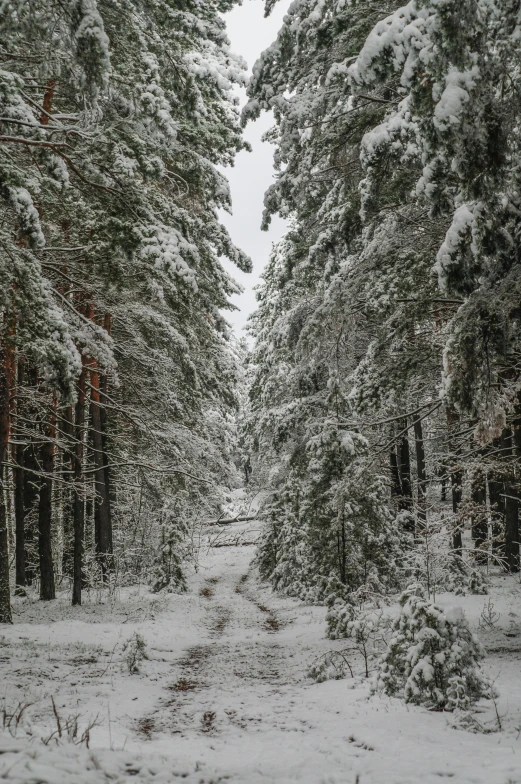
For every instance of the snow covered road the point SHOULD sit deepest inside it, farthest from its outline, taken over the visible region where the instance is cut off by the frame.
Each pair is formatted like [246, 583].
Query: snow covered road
[224, 695]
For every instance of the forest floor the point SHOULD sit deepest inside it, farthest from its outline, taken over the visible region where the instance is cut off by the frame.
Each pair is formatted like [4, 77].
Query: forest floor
[224, 693]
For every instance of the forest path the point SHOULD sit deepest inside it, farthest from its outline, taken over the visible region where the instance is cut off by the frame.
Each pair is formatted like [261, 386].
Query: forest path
[224, 695]
[239, 706]
[235, 704]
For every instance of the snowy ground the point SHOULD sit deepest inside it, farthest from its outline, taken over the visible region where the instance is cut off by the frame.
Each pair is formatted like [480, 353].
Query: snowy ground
[224, 694]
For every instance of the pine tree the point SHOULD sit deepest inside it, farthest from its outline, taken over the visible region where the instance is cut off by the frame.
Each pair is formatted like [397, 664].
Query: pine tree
[432, 658]
[114, 121]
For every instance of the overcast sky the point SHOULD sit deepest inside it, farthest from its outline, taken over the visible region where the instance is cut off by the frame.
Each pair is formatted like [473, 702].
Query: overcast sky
[250, 34]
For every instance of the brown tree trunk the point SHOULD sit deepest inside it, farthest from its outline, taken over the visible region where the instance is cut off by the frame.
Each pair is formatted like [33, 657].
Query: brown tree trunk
[78, 506]
[102, 516]
[422, 473]
[19, 511]
[67, 428]
[104, 383]
[47, 585]
[47, 101]
[7, 367]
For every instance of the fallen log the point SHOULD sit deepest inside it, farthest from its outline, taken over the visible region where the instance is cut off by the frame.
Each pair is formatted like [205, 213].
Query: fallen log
[230, 520]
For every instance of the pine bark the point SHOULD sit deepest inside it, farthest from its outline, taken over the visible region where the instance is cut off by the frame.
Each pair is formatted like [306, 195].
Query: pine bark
[396, 485]
[443, 494]
[47, 101]
[78, 504]
[404, 464]
[31, 493]
[479, 523]
[104, 383]
[6, 387]
[511, 505]
[421, 472]
[497, 503]
[456, 481]
[47, 582]
[67, 428]
[102, 512]
[19, 511]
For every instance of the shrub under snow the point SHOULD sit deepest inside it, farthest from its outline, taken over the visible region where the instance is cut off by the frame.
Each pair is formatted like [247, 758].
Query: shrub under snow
[432, 658]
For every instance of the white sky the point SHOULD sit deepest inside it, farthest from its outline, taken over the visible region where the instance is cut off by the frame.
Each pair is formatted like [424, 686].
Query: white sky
[250, 34]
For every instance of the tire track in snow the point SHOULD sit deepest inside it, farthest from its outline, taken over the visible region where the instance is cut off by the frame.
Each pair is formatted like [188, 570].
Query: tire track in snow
[225, 661]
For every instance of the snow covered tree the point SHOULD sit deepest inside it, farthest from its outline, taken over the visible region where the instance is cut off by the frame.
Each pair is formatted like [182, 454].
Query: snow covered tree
[169, 560]
[327, 516]
[312, 328]
[457, 67]
[395, 132]
[114, 119]
[432, 658]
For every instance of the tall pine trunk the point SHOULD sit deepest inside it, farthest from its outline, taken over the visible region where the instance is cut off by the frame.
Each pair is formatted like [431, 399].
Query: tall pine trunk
[19, 511]
[7, 366]
[396, 485]
[47, 583]
[511, 505]
[404, 465]
[104, 383]
[479, 523]
[496, 494]
[31, 491]
[102, 515]
[421, 472]
[456, 481]
[78, 504]
[67, 428]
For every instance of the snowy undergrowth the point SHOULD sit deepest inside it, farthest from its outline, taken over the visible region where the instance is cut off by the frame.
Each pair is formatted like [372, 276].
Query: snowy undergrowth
[225, 690]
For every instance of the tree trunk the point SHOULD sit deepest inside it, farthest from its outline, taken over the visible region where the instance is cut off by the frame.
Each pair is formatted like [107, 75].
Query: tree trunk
[516, 429]
[5, 598]
[479, 524]
[404, 465]
[19, 512]
[78, 507]
[511, 505]
[396, 485]
[67, 427]
[47, 101]
[342, 552]
[102, 516]
[422, 473]
[6, 387]
[31, 492]
[497, 505]
[456, 481]
[47, 586]
[104, 382]
[443, 496]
